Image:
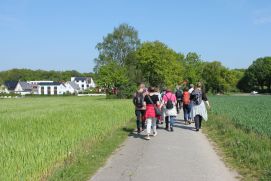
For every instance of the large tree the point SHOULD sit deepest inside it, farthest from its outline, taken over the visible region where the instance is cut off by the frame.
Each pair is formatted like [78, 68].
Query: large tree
[159, 64]
[259, 74]
[193, 67]
[117, 46]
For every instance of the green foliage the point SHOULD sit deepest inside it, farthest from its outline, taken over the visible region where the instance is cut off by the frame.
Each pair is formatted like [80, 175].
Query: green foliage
[27, 75]
[116, 46]
[38, 134]
[193, 67]
[112, 75]
[159, 64]
[115, 66]
[257, 76]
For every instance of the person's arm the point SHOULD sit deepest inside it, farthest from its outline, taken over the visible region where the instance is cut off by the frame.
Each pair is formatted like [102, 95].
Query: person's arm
[204, 98]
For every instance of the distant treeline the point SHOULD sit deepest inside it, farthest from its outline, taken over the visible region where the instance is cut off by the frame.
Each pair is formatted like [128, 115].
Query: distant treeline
[28, 74]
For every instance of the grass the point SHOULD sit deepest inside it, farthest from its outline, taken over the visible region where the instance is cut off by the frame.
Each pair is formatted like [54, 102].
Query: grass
[42, 135]
[240, 126]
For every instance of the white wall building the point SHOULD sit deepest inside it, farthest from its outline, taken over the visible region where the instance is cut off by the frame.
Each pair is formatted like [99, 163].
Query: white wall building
[84, 82]
[23, 88]
[72, 87]
[51, 88]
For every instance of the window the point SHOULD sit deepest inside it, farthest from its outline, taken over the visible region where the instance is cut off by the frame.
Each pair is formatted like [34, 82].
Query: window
[55, 90]
[87, 85]
[83, 86]
[42, 90]
[48, 90]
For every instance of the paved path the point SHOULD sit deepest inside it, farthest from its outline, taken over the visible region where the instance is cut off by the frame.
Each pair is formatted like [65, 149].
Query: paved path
[170, 156]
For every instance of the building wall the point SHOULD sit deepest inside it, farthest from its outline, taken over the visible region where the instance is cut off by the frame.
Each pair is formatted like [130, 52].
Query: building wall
[49, 89]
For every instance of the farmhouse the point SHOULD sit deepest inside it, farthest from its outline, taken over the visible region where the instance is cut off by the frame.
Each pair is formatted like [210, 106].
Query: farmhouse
[23, 88]
[9, 86]
[84, 82]
[72, 87]
[51, 88]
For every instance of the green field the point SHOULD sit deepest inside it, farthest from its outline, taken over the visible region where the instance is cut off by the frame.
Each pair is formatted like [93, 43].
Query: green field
[40, 134]
[241, 127]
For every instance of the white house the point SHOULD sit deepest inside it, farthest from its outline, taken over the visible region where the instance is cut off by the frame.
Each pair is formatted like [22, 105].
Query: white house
[51, 88]
[84, 82]
[9, 86]
[23, 88]
[72, 87]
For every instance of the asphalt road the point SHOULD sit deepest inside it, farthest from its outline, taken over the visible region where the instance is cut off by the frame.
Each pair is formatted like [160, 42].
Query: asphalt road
[170, 156]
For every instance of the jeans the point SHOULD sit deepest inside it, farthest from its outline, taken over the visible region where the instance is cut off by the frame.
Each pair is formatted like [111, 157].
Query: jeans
[151, 122]
[170, 120]
[198, 120]
[140, 118]
[187, 112]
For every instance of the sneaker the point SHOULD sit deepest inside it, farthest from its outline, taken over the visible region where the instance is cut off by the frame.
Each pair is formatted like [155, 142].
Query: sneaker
[148, 137]
[171, 129]
[155, 133]
[197, 129]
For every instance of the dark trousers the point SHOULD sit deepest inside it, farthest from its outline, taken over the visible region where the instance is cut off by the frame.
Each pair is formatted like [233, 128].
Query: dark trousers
[140, 119]
[179, 105]
[187, 112]
[198, 120]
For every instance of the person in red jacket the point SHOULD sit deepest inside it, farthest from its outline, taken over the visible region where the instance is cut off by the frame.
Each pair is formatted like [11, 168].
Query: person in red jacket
[186, 106]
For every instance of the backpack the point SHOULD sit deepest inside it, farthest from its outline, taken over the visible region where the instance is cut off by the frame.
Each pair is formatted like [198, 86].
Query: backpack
[169, 104]
[179, 94]
[197, 97]
[138, 100]
[186, 98]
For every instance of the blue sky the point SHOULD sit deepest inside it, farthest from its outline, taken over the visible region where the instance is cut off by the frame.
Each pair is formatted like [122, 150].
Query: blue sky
[62, 34]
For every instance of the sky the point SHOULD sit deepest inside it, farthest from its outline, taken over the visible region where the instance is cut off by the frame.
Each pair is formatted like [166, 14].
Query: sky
[62, 34]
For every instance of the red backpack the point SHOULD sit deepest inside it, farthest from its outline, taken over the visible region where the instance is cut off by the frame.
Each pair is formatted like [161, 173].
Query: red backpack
[186, 98]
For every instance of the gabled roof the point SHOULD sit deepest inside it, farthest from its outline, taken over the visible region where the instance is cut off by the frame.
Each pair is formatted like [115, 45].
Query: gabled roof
[11, 85]
[49, 83]
[25, 85]
[74, 85]
[81, 78]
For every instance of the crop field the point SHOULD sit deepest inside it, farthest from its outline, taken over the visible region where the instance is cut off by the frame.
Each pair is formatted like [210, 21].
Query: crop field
[251, 113]
[241, 127]
[39, 133]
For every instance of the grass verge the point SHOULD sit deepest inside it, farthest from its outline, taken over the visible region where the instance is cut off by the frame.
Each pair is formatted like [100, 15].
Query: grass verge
[89, 159]
[247, 152]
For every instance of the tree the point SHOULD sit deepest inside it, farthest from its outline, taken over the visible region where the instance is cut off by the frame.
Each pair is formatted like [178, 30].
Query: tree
[116, 46]
[216, 77]
[193, 67]
[259, 74]
[159, 64]
[112, 76]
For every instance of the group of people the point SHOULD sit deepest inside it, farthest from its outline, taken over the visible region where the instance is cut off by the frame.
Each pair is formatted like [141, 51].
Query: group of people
[153, 107]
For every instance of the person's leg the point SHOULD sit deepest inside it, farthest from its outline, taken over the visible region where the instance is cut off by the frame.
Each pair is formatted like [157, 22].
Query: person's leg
[172, 120]
[154, 126]
[189, 108]
[143, 120]
[138, 118]
[177, 106]
[167, 122]
[149, 123]
[200, 120]
[185, 113]
[196, 119]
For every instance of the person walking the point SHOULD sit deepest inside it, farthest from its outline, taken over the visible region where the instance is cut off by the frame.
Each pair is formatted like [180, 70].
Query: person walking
[150, 101]
[186, 106]
[179, 95]
[140, 108]
[199, 112]
[169, 100]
